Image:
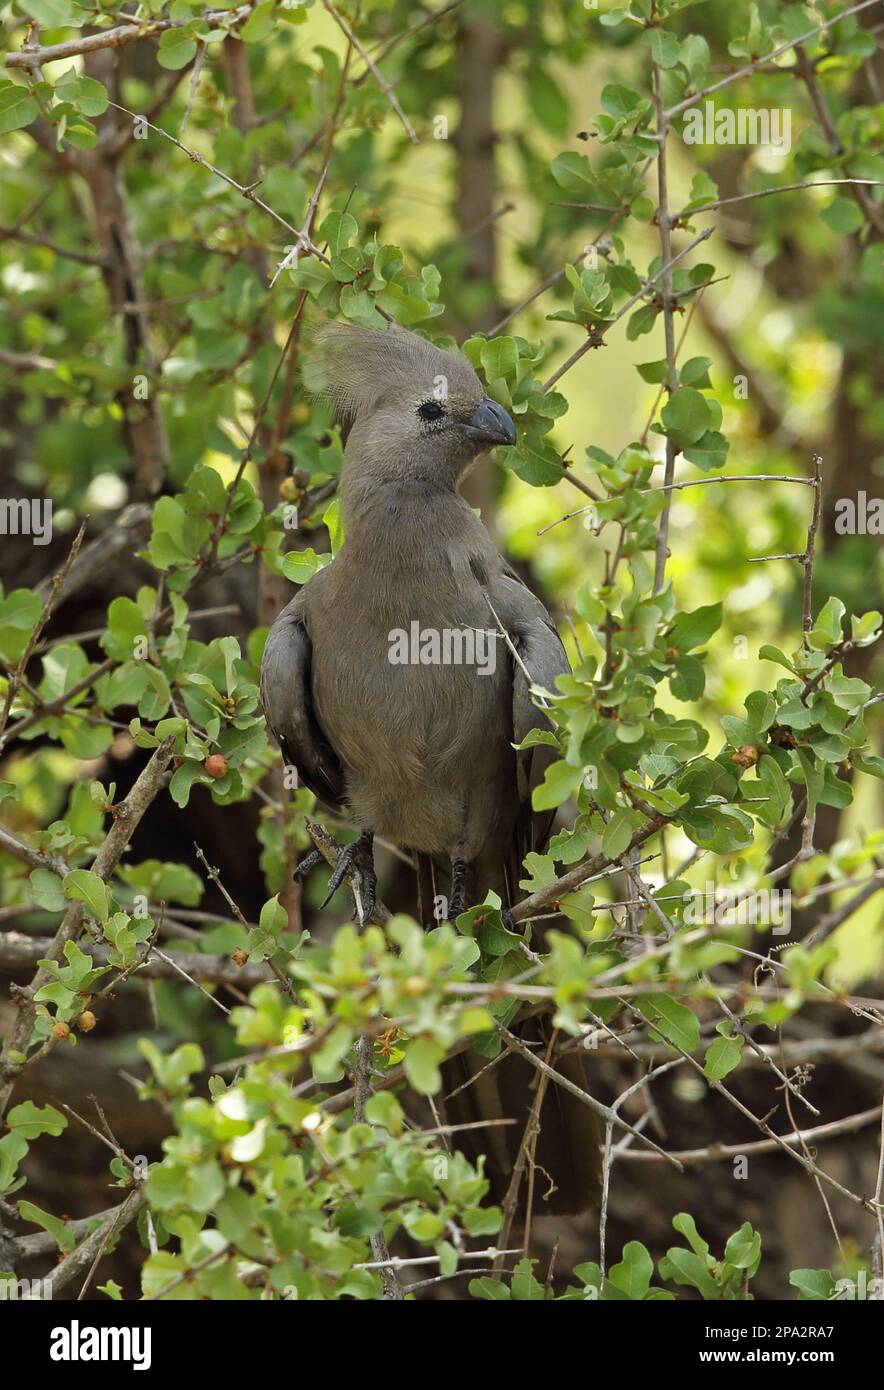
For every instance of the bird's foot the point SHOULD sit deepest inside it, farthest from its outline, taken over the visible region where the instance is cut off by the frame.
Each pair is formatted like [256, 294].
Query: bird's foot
[457, 903]
[308, 863]
[356, 862]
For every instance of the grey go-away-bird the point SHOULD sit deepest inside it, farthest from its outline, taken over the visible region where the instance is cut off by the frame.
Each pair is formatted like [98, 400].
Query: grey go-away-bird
[398, 680]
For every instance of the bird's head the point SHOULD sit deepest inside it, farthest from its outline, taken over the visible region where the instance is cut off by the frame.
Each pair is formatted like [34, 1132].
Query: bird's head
[407, 407]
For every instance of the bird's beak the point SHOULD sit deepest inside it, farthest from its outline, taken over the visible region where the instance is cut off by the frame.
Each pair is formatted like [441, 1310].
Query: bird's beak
[490, 424]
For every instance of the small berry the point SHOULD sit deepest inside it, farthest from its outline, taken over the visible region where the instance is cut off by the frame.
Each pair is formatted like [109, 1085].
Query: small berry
[746, 755]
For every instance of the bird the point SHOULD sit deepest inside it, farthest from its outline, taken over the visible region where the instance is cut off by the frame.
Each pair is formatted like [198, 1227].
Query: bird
[400, 677]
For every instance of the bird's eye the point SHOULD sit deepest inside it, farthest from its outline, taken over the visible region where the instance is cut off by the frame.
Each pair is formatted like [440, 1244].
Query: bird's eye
[431, 410]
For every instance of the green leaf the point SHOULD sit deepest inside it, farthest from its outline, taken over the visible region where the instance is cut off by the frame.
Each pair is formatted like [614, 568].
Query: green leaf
[85, 93]
[664, 47]
[814, 779]
[695, 628]
[826, 631]
[490, 1289]
[695, 372]
[88, 888]
[703, 191]
[19, 612]
[260, 23]
[633, 1274]
[618, 833]
[30, 1120]
[768, 653]
[673, 1020]
[684, 1267]
[383, 1109]
[710, 451]
[653, 372]
[53, 14]
[686, 416]
[13, 1147]
[17, 107]
[534, 461]
[843, 215]
[743, 1249]
[688, 681]
[573, 173]
[421, 1063]
[722, 1057]
[58, 1229]
[46, 890]
[548, 102]
[338, 228]
[815, 1284]
[560, 781]
[175, 50]
[301, 565]
[641, 322]
[499, 358]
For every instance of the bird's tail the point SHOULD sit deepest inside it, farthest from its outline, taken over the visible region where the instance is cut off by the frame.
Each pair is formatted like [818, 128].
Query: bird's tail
[552, 1148]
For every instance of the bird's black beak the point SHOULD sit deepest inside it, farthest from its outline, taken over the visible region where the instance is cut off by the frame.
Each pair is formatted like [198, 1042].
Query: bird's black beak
[490, 424]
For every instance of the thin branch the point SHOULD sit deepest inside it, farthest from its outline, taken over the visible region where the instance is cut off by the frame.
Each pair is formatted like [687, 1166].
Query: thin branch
[584, 1097]
[126, 817]
[386, 1267]
[382, 82]
[247, 192]
[598, 335]
[687, 213]
[34, 858]
[32, 58]
[717, 1153]
[664, 222]
[752, 67]
[17, 675]
[873, 214]
[86, 1254]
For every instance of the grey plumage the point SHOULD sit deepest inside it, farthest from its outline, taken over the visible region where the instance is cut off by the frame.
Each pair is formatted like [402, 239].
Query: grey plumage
[422, 754]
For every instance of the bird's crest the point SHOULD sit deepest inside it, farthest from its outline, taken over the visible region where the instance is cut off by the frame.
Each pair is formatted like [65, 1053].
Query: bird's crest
[355, 366]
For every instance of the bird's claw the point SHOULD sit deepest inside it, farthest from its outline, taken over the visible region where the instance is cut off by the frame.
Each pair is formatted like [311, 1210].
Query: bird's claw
[308, 863]
[355, 862]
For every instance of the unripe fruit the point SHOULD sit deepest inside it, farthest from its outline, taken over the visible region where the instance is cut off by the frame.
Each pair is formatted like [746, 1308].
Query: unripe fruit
[86, 1021]
[216, 765]
[301, 413]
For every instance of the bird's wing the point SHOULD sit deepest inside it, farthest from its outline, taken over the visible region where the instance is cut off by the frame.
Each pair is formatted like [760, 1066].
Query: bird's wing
[567, 1141]
[287, 699]
[542, 655]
